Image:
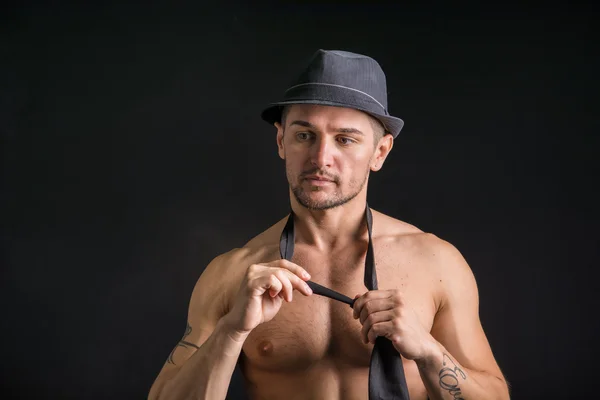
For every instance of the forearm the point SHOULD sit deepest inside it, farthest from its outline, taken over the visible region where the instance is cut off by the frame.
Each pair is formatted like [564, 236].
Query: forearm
[445, 378]
[207, 373]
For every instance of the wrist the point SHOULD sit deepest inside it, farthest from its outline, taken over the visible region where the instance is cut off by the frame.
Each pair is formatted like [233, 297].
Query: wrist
[229, 330]
[432, 354]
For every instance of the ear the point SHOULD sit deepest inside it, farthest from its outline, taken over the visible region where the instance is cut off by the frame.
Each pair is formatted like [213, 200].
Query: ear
[381, 152]
[280, 148]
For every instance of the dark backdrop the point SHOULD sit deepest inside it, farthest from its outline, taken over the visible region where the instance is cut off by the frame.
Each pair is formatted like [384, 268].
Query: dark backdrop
[133, 153]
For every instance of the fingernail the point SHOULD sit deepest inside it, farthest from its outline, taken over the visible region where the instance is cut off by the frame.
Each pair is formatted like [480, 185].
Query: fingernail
[306, 275]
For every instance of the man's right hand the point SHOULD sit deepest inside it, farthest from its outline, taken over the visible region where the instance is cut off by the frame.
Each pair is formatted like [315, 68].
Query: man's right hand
[263, 289]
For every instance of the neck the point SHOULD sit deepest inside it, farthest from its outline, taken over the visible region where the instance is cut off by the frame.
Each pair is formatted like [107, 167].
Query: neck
[327, 229]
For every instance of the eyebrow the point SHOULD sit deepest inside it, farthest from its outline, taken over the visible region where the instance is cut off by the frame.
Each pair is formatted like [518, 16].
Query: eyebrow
[307, 124]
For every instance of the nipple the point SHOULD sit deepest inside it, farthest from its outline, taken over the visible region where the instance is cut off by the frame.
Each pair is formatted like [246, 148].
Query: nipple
[265, 348]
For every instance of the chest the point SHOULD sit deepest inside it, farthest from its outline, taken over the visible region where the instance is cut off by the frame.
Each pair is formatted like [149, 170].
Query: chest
[310, 329]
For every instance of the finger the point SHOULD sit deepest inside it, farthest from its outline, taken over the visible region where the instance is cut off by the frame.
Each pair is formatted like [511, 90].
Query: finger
[275, 285]
[366, 297]
[297, 283]
[287, 289]
[373, 319]
[384, 329]
[293, 268]
[374, 306]
[358, 303]
[263, 283]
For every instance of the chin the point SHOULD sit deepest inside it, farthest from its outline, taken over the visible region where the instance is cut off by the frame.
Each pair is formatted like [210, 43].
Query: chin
[320, 202]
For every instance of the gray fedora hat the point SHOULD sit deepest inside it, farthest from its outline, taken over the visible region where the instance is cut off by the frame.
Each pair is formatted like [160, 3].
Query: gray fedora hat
[341, 79]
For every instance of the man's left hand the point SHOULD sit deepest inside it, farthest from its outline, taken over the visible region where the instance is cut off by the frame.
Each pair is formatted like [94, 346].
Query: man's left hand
[386, 313]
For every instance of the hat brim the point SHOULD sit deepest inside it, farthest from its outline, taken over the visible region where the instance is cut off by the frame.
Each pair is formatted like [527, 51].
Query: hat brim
[272, 113]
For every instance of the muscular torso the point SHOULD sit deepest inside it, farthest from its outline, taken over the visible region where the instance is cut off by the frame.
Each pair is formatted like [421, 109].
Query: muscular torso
[312, 349]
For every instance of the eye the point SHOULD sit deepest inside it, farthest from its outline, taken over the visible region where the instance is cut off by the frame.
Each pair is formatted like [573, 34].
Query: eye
[302, 136]
[346, 141]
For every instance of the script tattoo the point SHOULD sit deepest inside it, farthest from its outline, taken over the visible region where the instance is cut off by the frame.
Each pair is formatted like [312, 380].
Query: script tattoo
[182, 343]
[449, 378]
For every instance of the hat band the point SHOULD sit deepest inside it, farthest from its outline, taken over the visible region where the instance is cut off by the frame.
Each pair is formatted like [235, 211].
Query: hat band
[341, 87]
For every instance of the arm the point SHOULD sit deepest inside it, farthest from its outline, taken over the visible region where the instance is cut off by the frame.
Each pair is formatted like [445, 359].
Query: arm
[202, 363]
[207, 371]
[454, 359]
[459, 363]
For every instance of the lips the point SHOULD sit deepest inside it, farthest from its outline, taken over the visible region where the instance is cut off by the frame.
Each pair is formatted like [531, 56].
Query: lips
[317, 178]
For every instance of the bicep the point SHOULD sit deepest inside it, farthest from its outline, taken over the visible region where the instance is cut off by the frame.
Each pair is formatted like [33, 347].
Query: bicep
[457, 325]
[206, 307]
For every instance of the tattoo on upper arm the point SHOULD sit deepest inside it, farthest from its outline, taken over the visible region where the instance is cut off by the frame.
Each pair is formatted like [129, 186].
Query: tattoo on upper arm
[449, 377]
[182, 343]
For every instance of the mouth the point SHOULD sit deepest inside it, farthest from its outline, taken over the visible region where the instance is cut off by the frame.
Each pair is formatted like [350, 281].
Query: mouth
[316, 183]
[316, 178]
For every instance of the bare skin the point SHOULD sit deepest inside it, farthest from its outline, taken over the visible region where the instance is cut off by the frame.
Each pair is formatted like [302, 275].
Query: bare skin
[251, 306]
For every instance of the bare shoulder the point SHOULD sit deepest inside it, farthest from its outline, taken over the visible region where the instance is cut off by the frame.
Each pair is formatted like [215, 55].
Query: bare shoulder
[433, 261]
[396, 233]
[263, 247]
[258, 249]
[267, 238]
[220, 280]
[387, 226]
[438, 254]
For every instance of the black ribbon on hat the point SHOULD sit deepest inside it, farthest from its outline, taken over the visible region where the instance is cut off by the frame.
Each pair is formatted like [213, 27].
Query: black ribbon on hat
[386, 373]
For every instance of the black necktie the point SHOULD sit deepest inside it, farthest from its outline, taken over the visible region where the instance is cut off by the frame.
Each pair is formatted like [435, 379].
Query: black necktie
[386, 374]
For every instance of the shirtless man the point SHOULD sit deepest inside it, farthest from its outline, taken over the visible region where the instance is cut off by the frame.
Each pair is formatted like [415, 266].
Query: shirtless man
[253, 307]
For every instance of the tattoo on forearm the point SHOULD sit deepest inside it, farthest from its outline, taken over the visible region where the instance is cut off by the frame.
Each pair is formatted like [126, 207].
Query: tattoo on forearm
[182, 343]
[449, 377]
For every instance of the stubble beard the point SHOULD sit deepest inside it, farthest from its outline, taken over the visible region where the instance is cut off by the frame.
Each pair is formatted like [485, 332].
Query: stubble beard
[335, 200]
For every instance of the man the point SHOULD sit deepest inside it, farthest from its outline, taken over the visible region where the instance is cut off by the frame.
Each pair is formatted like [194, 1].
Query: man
[254, 305]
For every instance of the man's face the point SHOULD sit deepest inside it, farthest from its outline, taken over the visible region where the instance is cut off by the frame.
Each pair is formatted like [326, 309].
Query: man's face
[328, 153]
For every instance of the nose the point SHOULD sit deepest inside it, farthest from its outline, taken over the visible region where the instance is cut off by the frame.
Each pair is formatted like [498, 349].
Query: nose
[322, 153]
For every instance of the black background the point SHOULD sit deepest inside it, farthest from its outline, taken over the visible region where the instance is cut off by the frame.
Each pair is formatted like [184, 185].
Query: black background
[133, 153]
